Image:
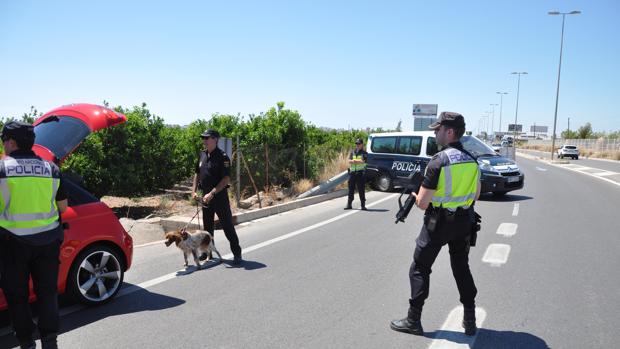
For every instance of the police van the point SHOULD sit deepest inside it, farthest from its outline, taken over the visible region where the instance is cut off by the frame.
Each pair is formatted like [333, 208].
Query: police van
[393, 156]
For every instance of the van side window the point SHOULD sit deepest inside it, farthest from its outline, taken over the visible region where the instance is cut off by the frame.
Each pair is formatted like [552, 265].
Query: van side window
[410, 145]
[383, 144]
[431, 146]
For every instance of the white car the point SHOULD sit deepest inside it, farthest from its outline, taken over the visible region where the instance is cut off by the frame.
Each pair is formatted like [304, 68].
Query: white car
[568, 151]
[497, 147]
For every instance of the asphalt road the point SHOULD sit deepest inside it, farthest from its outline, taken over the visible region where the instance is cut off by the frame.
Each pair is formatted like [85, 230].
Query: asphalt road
[321, 277]
[607, 165]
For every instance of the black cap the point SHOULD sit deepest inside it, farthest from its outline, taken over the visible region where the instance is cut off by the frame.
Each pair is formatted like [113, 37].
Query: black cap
[210, 133]
[18, 130]
[448, 118]
[359, 141]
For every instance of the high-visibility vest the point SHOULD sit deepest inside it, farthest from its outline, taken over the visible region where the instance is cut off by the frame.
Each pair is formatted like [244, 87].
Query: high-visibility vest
[458, 181]
[357, 167]
[28, 188]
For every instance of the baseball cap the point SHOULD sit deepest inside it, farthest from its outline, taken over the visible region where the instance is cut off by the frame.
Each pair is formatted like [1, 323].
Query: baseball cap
[448, 118]
[210, 133]
[17, 130]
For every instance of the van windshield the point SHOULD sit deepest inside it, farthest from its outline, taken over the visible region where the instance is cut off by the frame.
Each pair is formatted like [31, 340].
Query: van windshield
[476, 147]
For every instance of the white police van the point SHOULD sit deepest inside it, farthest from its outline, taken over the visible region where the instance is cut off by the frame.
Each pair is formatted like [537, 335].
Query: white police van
[393, 156]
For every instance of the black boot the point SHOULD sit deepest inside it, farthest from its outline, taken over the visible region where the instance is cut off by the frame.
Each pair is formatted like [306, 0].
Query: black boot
[410, 324]
[348, 207]
[469, 321]
[364, 206]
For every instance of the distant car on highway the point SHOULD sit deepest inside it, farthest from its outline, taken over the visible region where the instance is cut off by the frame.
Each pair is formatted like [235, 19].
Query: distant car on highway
[497, 147]
[568, 151]
[96, 250]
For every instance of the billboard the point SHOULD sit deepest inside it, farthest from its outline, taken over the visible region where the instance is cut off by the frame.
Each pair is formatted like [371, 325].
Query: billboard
[539, 129]
[511, 128]
[425, 109]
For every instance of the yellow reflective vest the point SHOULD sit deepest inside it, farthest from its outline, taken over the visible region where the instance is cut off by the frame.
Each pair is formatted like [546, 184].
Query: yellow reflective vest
[28, 187]
[458, 180]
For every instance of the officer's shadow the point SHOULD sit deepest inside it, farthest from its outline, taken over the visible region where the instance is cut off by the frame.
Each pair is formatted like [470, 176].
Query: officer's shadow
[227, 263]
[494, 339]
[136, 301]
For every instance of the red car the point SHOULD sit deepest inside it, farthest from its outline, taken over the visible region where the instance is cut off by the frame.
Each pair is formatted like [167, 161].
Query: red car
[96, 250]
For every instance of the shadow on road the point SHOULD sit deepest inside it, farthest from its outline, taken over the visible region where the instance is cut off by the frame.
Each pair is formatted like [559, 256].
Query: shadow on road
[245, 264]
[376, 210]
[488, 339]
[138, 301]
[506, 198]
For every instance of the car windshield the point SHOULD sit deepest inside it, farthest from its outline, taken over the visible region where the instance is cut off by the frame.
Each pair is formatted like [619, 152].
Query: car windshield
[474, 146]
[60, 134]
[570, 147]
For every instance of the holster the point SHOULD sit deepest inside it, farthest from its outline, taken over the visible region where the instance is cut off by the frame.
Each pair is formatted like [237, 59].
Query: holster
[432, 219]
[475, 220]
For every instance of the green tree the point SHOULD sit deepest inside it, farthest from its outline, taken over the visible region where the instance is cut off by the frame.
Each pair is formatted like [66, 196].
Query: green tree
[585, 131]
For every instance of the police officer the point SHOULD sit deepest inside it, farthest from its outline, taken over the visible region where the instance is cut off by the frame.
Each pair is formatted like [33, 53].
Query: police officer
[212, 177]
[30, 234]
[450, 187]
[357, 174]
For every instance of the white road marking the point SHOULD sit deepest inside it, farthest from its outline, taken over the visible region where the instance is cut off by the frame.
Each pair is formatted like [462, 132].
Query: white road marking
[496, 254]
[451, 333]
[507, 229]
[515, 210]
[149, 283]
[541, 169]
[606, 173]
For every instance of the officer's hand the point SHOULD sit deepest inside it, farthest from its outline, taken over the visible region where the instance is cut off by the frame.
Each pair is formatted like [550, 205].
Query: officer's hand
[194, 196]
[208, 196]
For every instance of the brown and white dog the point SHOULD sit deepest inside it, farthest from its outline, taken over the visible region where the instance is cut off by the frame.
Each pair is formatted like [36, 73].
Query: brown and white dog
[195, 242]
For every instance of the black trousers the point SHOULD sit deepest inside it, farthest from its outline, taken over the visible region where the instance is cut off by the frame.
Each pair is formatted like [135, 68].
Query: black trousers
[357, 179]
[428, 245]
[221, 206]
[22, 261]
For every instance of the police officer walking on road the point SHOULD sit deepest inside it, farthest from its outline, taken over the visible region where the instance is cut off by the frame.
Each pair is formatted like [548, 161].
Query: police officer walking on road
[450, 187]
[212, 177]
[357, 174]
[30, 234]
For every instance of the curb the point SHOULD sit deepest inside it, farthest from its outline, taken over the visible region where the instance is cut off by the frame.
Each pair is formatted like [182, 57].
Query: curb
[177, 222]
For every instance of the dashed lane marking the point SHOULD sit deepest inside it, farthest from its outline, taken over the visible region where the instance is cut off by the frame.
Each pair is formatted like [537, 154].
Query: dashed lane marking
[451, 335]
[496, 254]
[515, 210]
[507, 229]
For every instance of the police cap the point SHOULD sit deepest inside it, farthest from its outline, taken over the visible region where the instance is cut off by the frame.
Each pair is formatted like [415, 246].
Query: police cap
[450, 119]
[359, 141]
[17, 130]
[210, 133]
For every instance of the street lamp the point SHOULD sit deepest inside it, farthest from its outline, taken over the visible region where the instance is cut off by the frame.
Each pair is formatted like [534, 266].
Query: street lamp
[493, 117]
[517, 109]
[485, 126]
[557, 92]
[501, 97]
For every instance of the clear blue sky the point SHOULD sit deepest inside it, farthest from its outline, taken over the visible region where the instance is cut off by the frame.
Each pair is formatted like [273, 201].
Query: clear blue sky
[341, 64]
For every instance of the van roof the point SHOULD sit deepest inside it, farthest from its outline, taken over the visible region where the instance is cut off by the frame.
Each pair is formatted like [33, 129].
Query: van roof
[404, 133]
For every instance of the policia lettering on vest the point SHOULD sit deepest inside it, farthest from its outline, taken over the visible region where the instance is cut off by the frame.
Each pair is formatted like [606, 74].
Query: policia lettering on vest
[449, 190]
[357, 174]
[31, 198]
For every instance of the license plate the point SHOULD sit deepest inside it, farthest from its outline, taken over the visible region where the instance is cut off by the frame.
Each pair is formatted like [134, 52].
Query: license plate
[513, 179]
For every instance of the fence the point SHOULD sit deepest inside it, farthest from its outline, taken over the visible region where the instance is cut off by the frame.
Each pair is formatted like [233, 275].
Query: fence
[601, 144]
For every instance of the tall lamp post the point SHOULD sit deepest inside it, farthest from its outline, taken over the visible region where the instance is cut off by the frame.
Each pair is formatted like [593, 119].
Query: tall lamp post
[557, 92]
[501, 97]
[514, 139]
[493, 119]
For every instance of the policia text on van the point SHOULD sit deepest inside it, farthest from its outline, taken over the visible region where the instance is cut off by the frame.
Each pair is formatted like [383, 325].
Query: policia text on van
[392, 157]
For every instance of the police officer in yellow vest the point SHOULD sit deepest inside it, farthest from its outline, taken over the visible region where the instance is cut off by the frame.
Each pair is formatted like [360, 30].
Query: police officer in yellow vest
[31, 197]
[357, 174]
[450, 187]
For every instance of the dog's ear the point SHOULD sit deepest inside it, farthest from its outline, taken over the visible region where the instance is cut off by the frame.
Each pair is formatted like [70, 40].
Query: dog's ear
[184, 234]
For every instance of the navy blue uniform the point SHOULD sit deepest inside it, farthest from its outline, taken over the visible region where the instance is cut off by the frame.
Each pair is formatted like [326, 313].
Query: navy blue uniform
[211, 169]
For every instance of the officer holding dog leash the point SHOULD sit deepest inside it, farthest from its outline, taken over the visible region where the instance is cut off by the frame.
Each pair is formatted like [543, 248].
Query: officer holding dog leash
[212, 176]
[449, 190]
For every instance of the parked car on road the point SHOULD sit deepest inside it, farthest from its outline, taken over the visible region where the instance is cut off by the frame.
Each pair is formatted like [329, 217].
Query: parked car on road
[568, 151]
[96, 250]
[393, 156]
